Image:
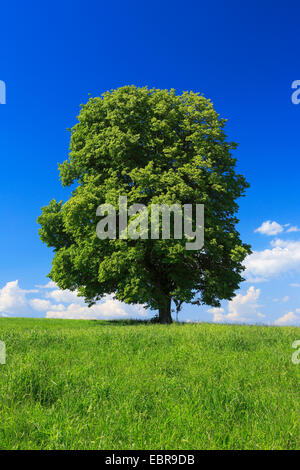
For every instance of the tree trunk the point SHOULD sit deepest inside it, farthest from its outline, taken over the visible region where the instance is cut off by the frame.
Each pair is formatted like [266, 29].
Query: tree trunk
[165, 312]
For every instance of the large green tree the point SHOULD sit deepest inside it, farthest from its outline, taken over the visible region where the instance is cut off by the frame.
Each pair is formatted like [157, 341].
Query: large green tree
[154, 147]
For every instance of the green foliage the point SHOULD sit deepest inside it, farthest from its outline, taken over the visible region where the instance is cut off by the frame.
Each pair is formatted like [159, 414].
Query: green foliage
[73, 384]
[157, 148]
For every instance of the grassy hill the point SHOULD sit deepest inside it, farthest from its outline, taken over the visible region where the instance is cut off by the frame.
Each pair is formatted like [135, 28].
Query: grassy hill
[72, 384]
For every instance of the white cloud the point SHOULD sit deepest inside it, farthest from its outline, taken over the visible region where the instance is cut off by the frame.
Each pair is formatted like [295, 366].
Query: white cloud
[242, 308]
[269, 228]
[215, 310]
[49, 285]
[289, 318]
[273, 228]
[13, 299]
[62, 304]
[44, 305]
[109, 308]
[293, 229]
[218, 313]
[283, 257]
[40, 304]
[76, 308]
[64, 296]
[295, 284]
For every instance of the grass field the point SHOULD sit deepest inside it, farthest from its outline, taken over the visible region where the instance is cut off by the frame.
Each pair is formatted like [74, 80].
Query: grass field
[72, 384]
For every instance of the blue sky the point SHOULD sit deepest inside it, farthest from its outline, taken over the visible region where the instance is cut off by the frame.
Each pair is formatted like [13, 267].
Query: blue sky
[242, 55]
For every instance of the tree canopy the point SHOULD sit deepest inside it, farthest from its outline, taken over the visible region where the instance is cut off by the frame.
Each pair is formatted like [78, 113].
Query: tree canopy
[155, 147]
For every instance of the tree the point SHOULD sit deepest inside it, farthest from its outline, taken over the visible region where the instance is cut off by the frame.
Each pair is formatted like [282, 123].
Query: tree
[154, 147]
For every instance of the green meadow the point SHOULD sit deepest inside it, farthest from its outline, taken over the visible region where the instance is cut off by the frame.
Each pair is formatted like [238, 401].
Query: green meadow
[78, 384]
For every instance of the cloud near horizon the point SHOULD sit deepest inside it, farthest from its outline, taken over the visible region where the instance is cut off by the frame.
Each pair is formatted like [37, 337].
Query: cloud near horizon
[57, 303]
[51, 302]
[246, 309]
[241, 309]
[289, 319]
[281, 257]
